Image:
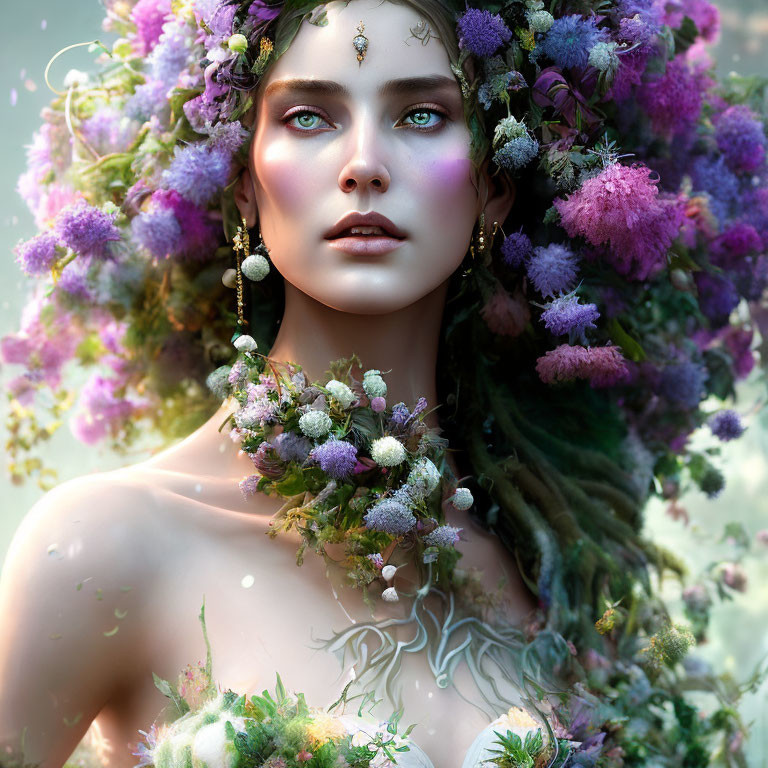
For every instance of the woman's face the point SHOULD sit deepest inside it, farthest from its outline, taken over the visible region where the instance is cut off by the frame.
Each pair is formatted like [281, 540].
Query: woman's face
[334, 138]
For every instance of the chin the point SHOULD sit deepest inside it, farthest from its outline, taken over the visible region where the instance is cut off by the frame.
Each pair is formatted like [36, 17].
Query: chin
[372, 297]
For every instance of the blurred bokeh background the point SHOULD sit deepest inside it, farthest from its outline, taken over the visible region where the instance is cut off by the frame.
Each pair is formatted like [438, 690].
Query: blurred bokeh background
[738, 641]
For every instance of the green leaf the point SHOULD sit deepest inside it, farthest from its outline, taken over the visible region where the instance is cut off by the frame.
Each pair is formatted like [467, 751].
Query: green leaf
[629, 346]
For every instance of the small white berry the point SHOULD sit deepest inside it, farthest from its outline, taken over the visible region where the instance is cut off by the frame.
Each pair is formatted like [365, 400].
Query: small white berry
[229, 278]
[388, 572]
[245, 343]
[390, 595]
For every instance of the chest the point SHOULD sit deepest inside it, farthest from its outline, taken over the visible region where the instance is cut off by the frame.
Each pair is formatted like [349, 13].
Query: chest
[266, 616]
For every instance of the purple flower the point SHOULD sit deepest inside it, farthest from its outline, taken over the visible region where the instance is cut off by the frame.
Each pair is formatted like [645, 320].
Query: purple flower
[552, 269]
[517, 153]
[149, 16]
[635, 29]
[683, 383]
[565, 314]
[157, 231]
[377, 560]
[197, 172]
[267, 462]
[198, 233]
[482, 32]
[736, 242]
[673, 101]
[86, 230]
[601, 366]
[102, 411]
[443, 536]
[148, 99]
[516, 249]
[569, 40]
[107, 130]
[717, 297]
[292, 447]
[621, 207]
[337, 458]
[264, 12]
[726, 425]
[390, 516]
[227, 137]
[712, 175]
[249, 485]
[741, 138]
[400, 413]
[171, 56]
[74, 280]
[36, 256]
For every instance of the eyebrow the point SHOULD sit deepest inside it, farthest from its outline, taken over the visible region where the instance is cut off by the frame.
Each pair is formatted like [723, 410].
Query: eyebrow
[398, 87]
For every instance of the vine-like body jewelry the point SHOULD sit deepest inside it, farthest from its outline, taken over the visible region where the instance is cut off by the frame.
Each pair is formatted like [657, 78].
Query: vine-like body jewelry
[360, 43]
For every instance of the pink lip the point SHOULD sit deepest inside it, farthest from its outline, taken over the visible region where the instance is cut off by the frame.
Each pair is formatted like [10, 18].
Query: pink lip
[366, 245]
[370, 219]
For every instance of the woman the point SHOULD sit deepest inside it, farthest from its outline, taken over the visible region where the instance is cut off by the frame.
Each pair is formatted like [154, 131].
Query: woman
[363, 179]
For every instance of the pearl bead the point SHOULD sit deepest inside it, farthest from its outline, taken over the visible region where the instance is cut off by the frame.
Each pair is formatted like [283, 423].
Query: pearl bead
[390, 595]
[388, 572]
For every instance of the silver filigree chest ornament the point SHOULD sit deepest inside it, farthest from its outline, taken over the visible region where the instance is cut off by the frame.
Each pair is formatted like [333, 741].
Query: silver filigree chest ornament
[360, 43]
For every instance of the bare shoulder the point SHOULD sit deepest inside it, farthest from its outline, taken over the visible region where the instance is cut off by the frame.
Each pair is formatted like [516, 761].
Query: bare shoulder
[73, 592]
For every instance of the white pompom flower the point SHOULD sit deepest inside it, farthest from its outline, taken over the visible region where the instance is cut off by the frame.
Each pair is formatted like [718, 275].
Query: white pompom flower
[245, 343]
[373, 384]
[423, 478]
[255, 267]
[315, 424]
[387, 451]
[212, 748]
[462, 499]
[341, 392]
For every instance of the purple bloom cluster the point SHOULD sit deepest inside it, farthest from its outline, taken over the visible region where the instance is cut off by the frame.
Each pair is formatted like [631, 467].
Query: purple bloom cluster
[552, 269]
[726, 425]
[36, 256]
[197, 172]
[443, 536]
[570, 39]
[390, 516]
[170, 57]
[292, 447]
[683, 383]
[674, 100]
[565, 314]
[741, 138]
[158, 231]
[482, 32]
[147, 100]
[73, 280]
[149, 16]
[86, 230]
[517, 153]
[337, 458]
[717, 296]
[516, 249]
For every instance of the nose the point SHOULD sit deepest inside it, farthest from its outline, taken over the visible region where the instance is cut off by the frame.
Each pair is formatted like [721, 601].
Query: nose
[365, 169]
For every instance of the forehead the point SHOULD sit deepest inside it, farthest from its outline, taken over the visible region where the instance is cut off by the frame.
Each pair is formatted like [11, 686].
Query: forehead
[326, 52]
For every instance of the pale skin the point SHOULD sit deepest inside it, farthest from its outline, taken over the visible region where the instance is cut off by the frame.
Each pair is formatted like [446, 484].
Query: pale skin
[146, 543]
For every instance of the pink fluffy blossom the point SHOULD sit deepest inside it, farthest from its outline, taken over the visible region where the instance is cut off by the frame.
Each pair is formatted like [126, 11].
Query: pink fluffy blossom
[601, 366]
[506, 315]
[149, 17]
[622, 208]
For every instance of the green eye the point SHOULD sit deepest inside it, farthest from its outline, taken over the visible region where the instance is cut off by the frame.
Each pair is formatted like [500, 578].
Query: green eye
[424, 118]
[307, 119]
[421, 118]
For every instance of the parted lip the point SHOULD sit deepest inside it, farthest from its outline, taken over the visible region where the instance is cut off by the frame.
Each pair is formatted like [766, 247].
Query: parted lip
[371, 219]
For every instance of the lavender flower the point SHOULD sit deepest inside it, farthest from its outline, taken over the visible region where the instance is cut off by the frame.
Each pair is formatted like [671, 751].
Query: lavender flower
[683, 383]
[741, 138]
[517, 153]
[377, 560]
[570, 39]
[86, 230]
[292, 447]
[552, 269]
[516, 249]
[74, 280]
[726, 425]
[171, 56]
[248, 485]
[443, 536]
[337, 458]
[482, 32]
[147, 100]
[158, 231]
[390, 516]
[400, 413]
[717, 297]
[565, 314]
[36, 256]
[197, 172]
[108, 130]
[227, 137]
[238, 374]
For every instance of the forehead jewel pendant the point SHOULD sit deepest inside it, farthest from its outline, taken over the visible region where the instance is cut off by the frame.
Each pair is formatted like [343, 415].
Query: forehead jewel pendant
[360, 43]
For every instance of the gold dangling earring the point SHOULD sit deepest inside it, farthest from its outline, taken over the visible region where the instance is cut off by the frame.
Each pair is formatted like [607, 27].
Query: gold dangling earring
[241, 244]
[478, 241]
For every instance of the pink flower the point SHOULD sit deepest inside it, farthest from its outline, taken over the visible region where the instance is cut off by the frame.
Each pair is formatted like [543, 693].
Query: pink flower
[506, 315]
[734, 576]
[378, 404]
[601, 366]
[303, 756]
[762, 536]
[149, 17]
[102, 410]
[622, 208]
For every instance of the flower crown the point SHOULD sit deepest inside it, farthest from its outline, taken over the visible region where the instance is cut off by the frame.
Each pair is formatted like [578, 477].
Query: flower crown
[635, 271]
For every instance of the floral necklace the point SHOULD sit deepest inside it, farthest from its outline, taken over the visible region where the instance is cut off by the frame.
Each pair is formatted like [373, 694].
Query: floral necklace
[352, 470]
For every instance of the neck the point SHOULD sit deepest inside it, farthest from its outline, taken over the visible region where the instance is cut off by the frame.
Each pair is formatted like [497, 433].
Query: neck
[402, 344]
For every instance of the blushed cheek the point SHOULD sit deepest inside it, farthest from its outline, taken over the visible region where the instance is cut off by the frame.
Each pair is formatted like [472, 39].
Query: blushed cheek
[284, 178]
